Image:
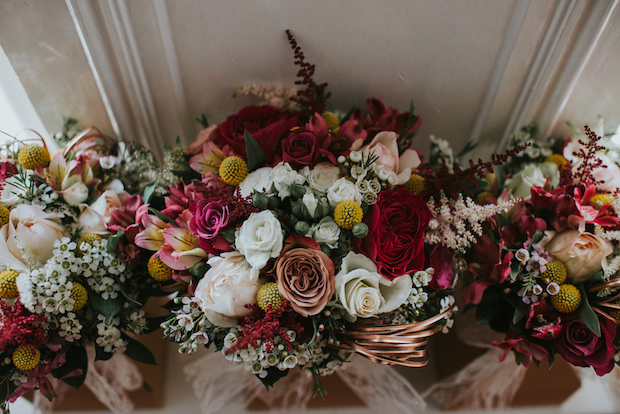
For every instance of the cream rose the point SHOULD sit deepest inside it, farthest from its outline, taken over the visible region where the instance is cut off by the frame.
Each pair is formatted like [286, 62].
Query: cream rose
[341, 190]
[385, 146]
[364, 292]
[326, 231]
[583, 254]
[259, 238]
[74, 190]
[322, 176]
[31, 228]
[533, 174]
[259, 180]
[229, 285]
[284, 176]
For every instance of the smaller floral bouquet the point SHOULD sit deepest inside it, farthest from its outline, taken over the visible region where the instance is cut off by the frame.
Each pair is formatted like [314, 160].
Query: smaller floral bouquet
[546, 273]
[69, 277]
[298, 237]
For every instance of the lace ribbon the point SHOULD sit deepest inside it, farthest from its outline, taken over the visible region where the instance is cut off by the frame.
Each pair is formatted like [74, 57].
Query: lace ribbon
[218, 383]
[109, 381]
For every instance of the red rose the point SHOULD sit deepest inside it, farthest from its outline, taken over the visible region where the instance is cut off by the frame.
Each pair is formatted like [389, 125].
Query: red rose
[579, 346]
[395, 240]
[265, 123]
[300, 149]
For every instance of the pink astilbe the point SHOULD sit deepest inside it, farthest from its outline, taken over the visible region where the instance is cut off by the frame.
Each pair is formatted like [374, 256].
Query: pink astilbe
[20, 326]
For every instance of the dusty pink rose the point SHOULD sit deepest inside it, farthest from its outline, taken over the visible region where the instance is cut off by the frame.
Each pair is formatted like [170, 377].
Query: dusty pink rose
[305, 275]
[385, 146]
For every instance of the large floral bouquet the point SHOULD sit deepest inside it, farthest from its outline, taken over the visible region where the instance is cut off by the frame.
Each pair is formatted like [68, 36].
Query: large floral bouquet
[545, 274]
[298, 237]
[70, 278]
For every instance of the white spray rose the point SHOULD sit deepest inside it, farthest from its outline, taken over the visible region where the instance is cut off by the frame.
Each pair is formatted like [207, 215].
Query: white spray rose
[322, 176]
[259, 180]
[364, 293]
[74, 190]
[259, 238]
[311, 203]
[326, 231]
[229, 285]
[533, 174]
[341, 190]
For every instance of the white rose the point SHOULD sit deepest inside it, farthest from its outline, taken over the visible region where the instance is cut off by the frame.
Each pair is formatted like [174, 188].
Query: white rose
[34, 230]
[229, 285]
[259, 238]
[341, 190]
[323, 176]
[363, 292]
[311, 203]
[326, 231]
[259, 180]
[283, 176]
[533, 174]
[74, 190]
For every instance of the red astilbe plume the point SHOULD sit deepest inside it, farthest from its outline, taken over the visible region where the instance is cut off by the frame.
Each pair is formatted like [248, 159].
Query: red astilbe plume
[457, 182]
[313, 98]
[265, 326]
[19, 326]
[583, 172]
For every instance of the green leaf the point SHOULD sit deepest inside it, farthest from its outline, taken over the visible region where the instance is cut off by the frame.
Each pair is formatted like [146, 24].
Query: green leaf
[199, 269]
[597, 279]
[273, 375]
[587, 314]
[101, 355]
[202, 120]
[538, 236]
[514, 270]
[229, 234]
[162, 216]
[500, 175]
[113, 241]
[503, 221]
[138, 352]
[148, 192]
[256, 156]
[108, 307]
[76, 359]
[520, 312]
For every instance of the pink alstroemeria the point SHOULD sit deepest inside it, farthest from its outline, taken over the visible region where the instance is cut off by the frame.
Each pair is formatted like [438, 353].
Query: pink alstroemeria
[210, 158]
[152, 237]
[127, 216]
[181, 249]
[524, 350]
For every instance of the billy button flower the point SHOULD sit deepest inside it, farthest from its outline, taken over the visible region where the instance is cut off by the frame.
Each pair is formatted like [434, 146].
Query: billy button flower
[332, 121]
[4, 215]
[158, 270]
[567, 300]
[32, 156]
[79, 295]
[268, 295]
[558, 160]
[556, 272]
[416, 184]
[8, 287]
[89, 238]
[26, 357]
[347, 214]
[599, 199]
[233, 170]
[615, 313]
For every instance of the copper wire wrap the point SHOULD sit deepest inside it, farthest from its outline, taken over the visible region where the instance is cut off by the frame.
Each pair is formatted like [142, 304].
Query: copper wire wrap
[600, 306]
[90, 138]
[403, 345]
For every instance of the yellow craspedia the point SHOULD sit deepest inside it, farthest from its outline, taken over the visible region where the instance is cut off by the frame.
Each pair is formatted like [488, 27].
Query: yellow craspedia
[89, 238]
[556, 272]
[268, 295]
[233, 170]
[332, 121]
[347, 214]
[416, 184]
[26, 357]
[32, 156]
[599, 199]
[481, 198]
[615, 313]
[8, 287]
[567, 299]
[4, 215]
[158, 270]
[79, 295]
[558, 160]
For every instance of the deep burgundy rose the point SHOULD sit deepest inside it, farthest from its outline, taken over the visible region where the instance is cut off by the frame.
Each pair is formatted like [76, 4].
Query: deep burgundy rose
[265, 123]
[441, 260]
[395, 240]
[579, 346]
[300, 149]
[210, 217]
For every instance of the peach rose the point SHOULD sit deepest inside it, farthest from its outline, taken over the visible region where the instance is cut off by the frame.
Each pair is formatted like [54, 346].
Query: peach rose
[385, 146]
[583, 254]
[305, 275]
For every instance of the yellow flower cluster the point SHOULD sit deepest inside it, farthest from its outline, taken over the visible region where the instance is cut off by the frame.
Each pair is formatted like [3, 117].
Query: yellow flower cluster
[556, 272]
[8, 287]
[4, 215]
[416, 184]
[79, 295]
[33, 156]
[26, 357]
[347, 214]
[558, 160]
[567, 300]
[268, 295]
[158, 270]
[233, 170]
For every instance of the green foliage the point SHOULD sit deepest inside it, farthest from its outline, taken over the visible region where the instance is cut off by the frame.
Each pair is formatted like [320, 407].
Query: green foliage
[256, 156]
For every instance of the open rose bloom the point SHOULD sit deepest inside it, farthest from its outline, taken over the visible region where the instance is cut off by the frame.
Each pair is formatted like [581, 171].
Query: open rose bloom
[298, 226]
[546, 272]
[71, 278]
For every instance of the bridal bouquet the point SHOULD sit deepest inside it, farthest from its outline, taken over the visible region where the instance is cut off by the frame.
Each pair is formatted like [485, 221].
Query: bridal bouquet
[298, 237]
[545, 274]
[69, 274]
